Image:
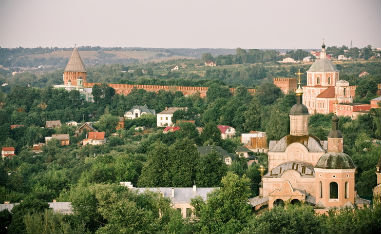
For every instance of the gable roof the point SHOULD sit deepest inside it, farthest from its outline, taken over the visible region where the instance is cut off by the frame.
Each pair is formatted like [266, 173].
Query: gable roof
[242, 149]
[8, 149]
[179, 195]
[171, 129]
[75, 63]
[172, 110]
[143, 109]
[96, 135]
[88, 125]
[53, 123]
[223, 128]
[328, 93]
[61, 137]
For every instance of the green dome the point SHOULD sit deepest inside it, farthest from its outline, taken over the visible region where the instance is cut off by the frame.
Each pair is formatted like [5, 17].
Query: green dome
[299, 109]
[335, 161]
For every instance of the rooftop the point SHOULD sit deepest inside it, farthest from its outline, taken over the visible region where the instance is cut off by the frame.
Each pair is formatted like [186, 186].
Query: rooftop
[328, 93]
[75, 63]
[172, 110]
[96, 135]
[335, 161]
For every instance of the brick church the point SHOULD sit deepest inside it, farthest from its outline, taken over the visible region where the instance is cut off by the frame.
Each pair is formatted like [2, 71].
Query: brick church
[302, 168]
[324, 88]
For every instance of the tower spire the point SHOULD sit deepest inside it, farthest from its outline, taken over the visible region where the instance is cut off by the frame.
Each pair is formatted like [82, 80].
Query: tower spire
[299, 91]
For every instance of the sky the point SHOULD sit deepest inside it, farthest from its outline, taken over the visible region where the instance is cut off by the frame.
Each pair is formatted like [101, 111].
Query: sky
[262, 24]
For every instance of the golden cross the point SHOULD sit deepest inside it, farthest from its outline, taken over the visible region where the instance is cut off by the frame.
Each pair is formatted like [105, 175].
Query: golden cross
[299, 74]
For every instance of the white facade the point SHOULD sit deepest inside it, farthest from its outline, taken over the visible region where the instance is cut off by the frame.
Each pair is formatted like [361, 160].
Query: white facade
[138, 111]
[164, 118]
[246, 137]
[93, 142]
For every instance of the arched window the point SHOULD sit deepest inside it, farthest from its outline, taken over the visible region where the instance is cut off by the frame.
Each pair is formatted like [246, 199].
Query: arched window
[329, 80]
[333, 190]
[278, 202]
[344, 91]
[318, 80]
[346, 190]
[321, 189]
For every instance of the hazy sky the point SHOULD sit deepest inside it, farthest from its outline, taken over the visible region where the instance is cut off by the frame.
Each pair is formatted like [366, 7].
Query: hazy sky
[190, 23]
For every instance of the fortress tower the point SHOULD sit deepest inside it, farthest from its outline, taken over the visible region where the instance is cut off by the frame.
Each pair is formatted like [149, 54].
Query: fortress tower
[75, 72]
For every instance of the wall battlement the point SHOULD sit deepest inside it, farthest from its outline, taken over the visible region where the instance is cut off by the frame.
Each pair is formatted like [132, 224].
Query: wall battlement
[125, 89]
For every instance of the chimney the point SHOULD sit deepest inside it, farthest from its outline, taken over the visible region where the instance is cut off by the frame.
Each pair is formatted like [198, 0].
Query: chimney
[173, 192]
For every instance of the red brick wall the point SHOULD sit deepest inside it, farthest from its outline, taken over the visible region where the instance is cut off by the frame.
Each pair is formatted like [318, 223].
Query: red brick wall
[286, 84]
[125, 89]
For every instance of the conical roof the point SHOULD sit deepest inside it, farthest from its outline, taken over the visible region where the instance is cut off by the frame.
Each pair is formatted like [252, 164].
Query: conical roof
[75, 63]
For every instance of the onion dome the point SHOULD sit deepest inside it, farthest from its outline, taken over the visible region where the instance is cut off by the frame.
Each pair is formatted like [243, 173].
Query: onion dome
[299, 108]
[335, 161]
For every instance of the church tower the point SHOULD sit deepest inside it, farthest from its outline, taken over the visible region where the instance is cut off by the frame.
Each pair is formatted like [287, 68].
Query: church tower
[299, 114]
[75, 72]
[335, 173]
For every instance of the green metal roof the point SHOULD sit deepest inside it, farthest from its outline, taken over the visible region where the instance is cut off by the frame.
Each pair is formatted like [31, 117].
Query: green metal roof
[335, 161]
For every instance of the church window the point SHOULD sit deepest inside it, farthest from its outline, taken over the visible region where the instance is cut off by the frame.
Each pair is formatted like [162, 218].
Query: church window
[321, 189]
[333, 190]
[346, 190]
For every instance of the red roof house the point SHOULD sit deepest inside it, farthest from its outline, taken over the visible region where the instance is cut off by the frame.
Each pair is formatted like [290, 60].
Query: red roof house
[226, 131]
[7, 152]
[171, 129]
[95, 138]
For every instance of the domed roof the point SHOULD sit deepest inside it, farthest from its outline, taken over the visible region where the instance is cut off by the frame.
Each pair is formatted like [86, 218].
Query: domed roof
[335, 161]
[299, 109]
[323, 65]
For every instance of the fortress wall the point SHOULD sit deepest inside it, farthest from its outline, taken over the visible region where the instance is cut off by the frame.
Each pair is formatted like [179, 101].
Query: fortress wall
[125, 89]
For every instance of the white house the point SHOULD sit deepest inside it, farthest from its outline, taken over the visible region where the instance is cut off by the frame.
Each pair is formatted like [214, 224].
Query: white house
[307, 59]
[72, 123]
[7, 152]
[138, 111]
[342, 57]
[288, 60]
[226, 131]
[164, 118]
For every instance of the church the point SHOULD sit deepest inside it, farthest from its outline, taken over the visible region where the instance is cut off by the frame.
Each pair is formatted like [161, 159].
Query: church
[302, 168]
[324, 89]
